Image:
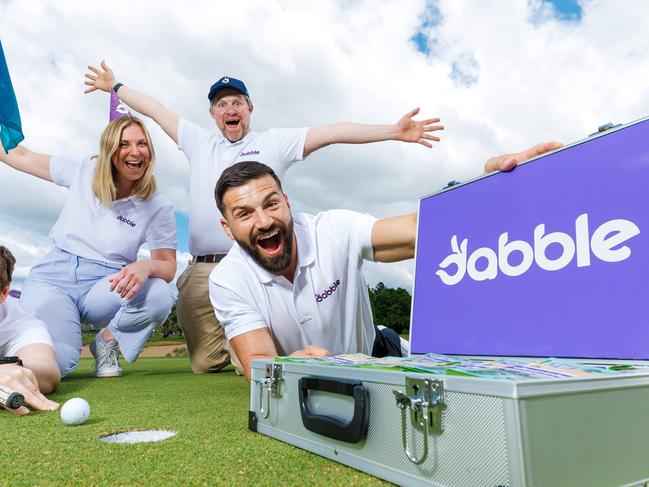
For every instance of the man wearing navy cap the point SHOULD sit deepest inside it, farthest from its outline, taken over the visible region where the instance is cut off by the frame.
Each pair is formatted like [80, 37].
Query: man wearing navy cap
[209, 153]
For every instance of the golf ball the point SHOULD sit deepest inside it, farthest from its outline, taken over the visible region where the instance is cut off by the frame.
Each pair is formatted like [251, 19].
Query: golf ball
[75, 411]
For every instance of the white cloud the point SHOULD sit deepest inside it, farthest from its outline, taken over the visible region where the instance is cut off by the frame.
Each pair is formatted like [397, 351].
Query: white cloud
[321, 62]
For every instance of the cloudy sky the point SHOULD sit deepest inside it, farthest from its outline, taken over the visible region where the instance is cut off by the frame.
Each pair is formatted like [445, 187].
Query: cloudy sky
[502, 75]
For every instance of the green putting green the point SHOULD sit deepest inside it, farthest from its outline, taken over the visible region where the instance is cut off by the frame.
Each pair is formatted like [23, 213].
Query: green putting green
[213, 445]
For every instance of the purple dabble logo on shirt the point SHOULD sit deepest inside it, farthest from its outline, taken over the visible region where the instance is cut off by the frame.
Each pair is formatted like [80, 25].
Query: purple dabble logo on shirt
[249, 153]
[327, 292]
[126, 220]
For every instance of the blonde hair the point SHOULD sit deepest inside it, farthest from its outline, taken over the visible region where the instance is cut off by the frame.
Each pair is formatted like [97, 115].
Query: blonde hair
[103, 184]
[7, 261]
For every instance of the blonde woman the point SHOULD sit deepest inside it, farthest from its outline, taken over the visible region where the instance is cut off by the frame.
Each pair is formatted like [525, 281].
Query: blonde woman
[92, 273]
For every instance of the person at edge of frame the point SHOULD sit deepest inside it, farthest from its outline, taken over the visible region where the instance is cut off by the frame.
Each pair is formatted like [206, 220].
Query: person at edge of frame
[294, 285]
[26, 348]
[208, 154]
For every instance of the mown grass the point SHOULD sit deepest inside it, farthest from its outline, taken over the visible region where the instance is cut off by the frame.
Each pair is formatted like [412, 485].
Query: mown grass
[213, 445]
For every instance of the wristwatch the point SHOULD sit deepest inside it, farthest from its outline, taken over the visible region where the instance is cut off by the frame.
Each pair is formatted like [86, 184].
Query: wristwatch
[12, 359]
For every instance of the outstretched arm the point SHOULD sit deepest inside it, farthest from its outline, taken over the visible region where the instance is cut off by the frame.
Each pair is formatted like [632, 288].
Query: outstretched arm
[507, 162]
[22, 159]
[405, 130]
[393, 239]
[103, 79]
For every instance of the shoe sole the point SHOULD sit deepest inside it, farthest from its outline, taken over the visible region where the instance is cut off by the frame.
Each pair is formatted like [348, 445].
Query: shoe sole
[108, 374]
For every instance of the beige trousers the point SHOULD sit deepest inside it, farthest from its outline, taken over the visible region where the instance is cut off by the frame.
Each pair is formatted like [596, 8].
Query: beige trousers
[206, 343]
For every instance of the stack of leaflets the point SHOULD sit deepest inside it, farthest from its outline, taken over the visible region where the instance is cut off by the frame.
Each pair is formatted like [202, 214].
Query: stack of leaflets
[493, 368]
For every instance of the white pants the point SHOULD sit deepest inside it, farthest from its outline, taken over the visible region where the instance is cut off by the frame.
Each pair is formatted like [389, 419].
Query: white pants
[64, 289]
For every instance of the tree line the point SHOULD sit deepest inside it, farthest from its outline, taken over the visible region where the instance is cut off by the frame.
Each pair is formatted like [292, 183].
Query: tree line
[390, 307]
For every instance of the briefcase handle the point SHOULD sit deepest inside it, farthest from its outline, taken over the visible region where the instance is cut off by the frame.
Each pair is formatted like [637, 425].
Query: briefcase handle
[353, 431]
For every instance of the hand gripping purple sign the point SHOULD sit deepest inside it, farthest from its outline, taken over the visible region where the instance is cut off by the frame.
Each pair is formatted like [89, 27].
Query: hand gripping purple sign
[548, 260]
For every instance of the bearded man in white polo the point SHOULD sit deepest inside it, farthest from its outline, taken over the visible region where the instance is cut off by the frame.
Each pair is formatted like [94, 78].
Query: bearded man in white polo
[294, 286]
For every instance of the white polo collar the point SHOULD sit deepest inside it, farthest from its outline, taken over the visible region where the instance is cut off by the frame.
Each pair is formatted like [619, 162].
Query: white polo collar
[131, 201]
[223, 141]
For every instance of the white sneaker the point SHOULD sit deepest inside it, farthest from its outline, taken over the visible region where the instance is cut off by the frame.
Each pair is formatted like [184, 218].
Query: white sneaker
[106, 355]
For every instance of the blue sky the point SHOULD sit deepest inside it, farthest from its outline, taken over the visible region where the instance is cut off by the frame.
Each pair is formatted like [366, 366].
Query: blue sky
[564, 10]
[502, 75]
[182, 230]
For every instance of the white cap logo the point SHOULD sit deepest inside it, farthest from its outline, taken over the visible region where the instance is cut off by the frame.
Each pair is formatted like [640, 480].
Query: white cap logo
[225, 80]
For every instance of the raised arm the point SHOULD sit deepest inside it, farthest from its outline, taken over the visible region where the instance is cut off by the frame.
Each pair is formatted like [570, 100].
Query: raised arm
[22, 159]
[104, 79]
[405, 130]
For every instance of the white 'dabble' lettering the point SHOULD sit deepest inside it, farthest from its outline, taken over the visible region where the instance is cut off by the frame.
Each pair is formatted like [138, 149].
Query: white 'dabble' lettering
[604, 244]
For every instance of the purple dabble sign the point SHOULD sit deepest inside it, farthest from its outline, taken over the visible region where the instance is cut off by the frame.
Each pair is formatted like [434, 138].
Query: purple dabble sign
[549, 260]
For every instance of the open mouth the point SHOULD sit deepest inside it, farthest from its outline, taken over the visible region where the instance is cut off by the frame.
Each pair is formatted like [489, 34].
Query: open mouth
[270, 243]
[134, 164]
[232, 123]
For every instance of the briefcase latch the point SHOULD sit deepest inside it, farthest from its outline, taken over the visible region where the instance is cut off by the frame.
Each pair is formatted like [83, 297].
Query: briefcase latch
[270, 386]
[424, 399]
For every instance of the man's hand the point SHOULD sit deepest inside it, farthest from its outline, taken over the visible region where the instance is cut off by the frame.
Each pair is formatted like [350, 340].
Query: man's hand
[311, 351]
[507, 162]
[409, 130]
[23, 380]
[102, 79]
[130, 279]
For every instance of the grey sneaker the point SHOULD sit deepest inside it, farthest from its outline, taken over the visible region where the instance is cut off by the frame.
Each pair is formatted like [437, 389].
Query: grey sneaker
[106, 354]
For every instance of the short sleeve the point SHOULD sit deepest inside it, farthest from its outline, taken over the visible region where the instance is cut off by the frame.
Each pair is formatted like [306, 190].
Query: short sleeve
[23, 327]
[29, 336]
[234, 309]
[161, 233]
[352, 231]
[190, 136]
[65, 169]
[290, 143]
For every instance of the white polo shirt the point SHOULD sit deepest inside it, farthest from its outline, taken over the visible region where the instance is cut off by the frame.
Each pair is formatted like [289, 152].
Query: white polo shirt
[89, 229]
[209, 153]
[19, 327]
[327, 304]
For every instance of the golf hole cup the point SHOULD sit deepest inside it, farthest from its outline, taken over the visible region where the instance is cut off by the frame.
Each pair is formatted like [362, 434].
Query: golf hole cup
[75, 411]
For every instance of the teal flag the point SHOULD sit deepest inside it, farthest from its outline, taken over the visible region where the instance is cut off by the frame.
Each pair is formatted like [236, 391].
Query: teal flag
[11, 132]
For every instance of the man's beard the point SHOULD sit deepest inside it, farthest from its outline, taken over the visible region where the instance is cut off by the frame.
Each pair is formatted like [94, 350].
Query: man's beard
[279, 262]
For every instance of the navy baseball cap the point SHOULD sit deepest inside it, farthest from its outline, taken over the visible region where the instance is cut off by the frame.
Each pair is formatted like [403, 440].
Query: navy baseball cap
[227, 82]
